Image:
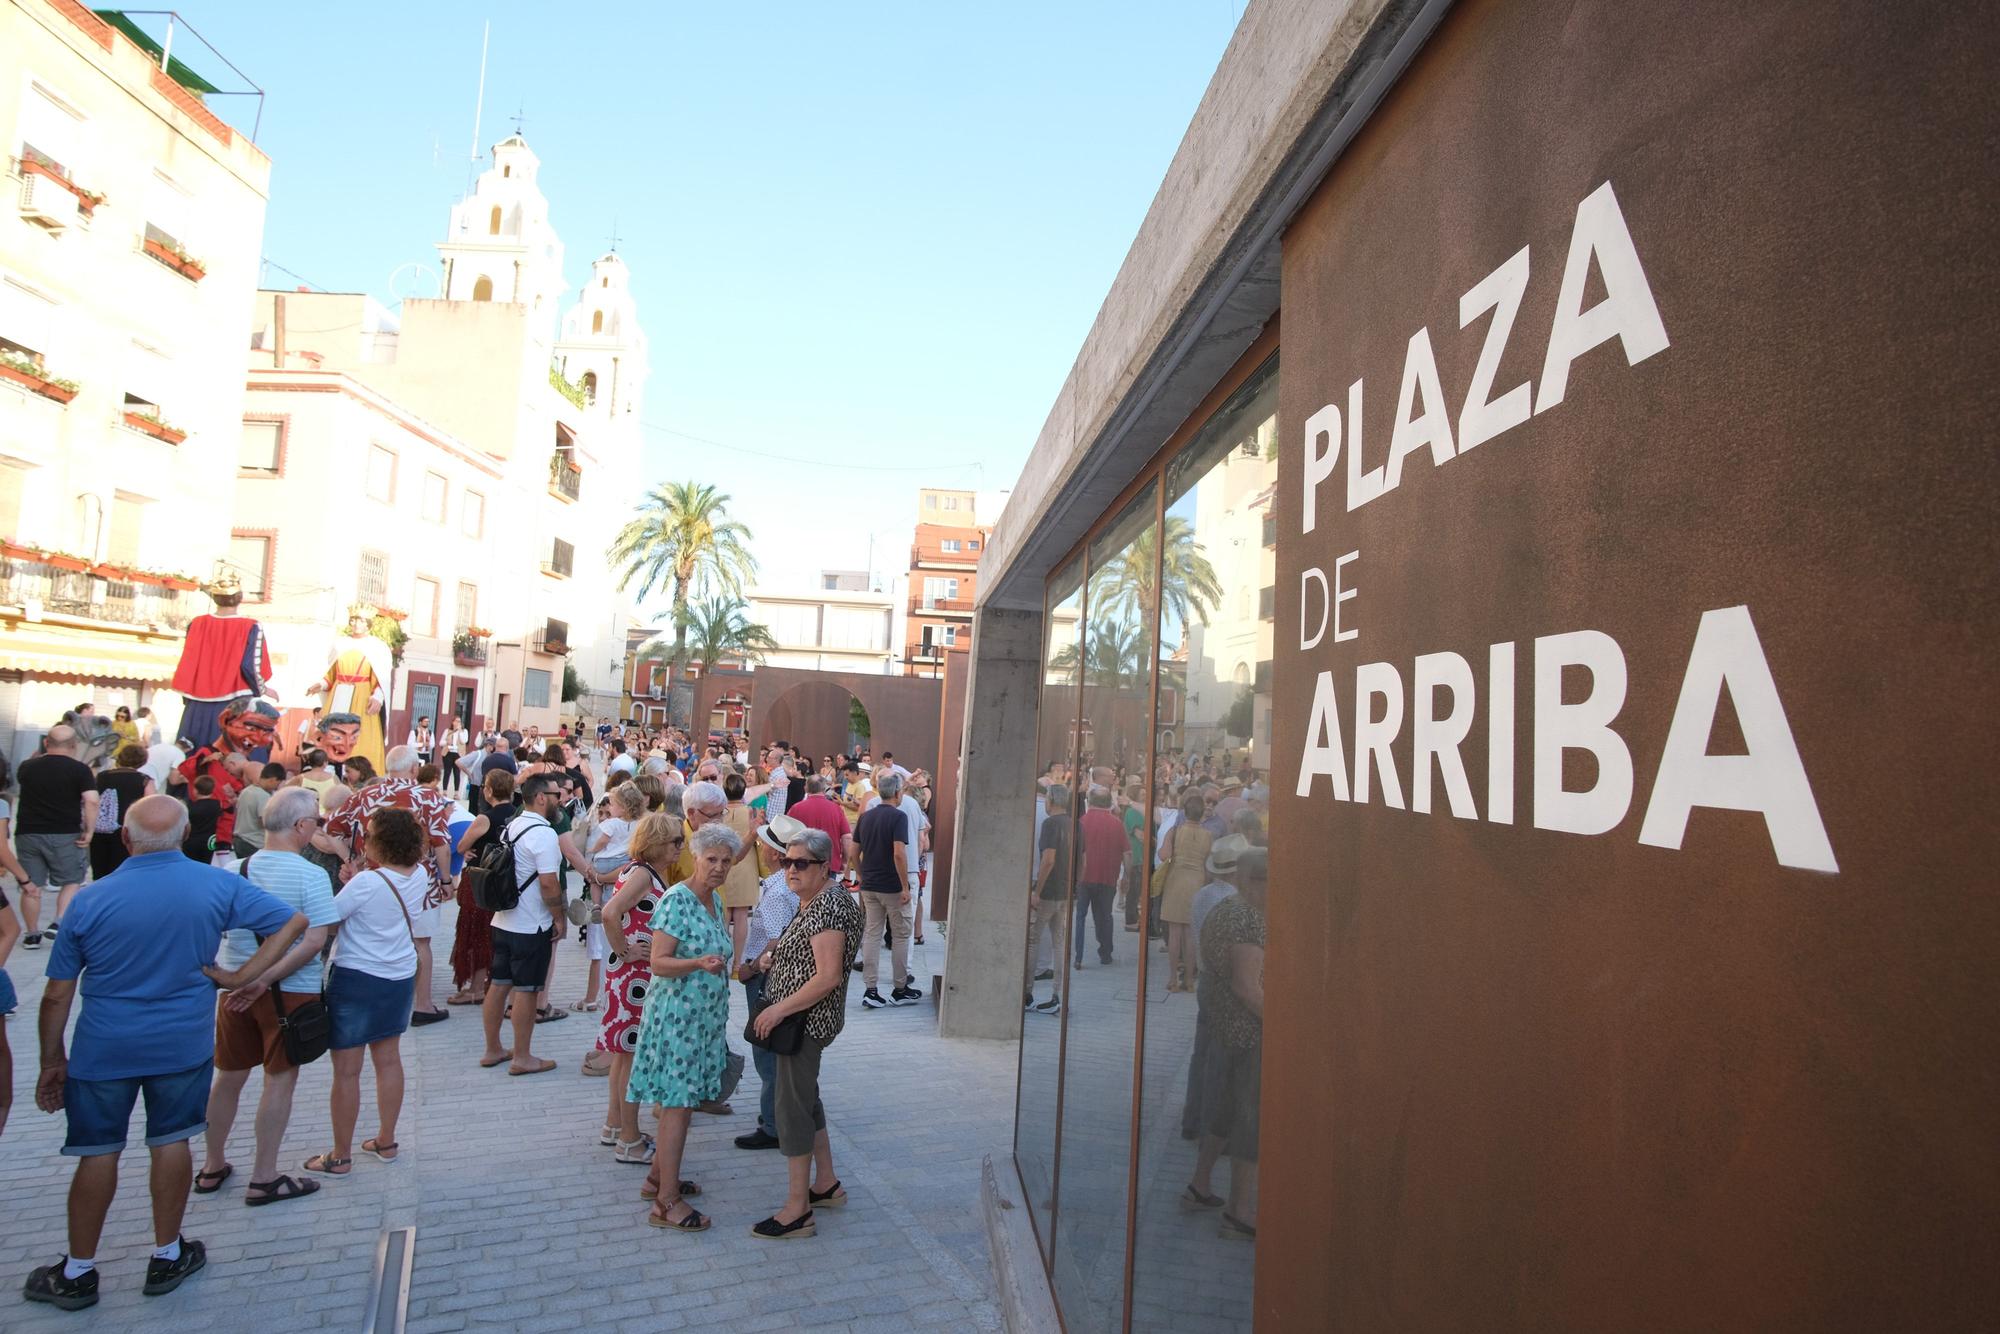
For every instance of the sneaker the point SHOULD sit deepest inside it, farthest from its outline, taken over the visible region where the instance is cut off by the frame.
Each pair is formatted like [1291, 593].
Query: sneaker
[47, 1284]
[910, 982]
[163, 1276]
[1046, 975]
[53, 927]
[905, 996]
[1028, 1002]
[32, 941]
[1053, 1005]
[759, 1138]
[872, 999]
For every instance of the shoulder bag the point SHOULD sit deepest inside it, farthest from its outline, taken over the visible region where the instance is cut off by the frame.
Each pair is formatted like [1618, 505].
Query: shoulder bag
[307, 1028]
[789, 1032]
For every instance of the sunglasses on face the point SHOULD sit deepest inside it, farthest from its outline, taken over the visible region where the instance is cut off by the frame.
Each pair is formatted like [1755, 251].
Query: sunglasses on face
[800, 863]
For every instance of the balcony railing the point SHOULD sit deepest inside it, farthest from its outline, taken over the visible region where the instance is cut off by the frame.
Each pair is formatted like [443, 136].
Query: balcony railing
[923, 603]
[924, 652]
[565, 478]
[468, 650]
[91, 596]
[937, 556]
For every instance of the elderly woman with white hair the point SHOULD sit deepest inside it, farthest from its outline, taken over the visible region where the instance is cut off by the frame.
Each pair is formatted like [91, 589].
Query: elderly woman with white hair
[678, 1061]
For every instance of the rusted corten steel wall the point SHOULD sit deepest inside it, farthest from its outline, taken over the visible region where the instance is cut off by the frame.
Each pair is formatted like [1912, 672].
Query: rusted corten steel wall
[1609, 1055]
[810, 709]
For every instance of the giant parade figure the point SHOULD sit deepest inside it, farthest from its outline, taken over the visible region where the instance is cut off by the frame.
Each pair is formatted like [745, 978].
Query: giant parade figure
[225, 656]
[357, 683]
[244, 730]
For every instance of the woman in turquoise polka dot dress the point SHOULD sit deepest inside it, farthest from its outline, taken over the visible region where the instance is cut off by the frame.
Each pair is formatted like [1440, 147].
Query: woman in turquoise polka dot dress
[681, 1051]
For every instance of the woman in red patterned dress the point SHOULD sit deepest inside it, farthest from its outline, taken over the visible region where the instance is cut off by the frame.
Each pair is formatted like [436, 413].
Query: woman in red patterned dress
[655, 852]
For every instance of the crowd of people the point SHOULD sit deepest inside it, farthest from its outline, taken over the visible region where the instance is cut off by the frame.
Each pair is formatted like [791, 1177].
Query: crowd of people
[309, 895]
[1201, 884]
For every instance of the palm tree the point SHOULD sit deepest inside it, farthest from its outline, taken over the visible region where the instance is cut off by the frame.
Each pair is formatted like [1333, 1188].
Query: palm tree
[1125, 586]
[718, 629]
[682, 536]
[1114, 658]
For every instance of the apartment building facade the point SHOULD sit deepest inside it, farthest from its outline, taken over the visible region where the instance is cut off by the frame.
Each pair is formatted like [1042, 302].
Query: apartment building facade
[131, 220]
[943, 577]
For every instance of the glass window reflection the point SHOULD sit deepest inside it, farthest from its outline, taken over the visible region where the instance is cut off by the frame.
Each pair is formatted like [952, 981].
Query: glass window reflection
[1102, 995]
[1046, 876]
[1198, 1117]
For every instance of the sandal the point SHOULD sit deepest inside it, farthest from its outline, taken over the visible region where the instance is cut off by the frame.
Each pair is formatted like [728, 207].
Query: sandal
[1192, 1199]
[693, 1221]
[328, 1165]
[584, 1007]
[831, 1198]
[772, 1230]
[384, 1153]
[1235, 1228]
[280, 1188]
[639, 1151]
[503, 1057]
[464, 999]
[220, 1176]
[548, 1014]
[607, 1135]
[651, 1190]
[539, 1068]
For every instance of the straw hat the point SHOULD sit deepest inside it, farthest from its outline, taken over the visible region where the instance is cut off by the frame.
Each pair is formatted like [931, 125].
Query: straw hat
[1222, 856]
[778, 833]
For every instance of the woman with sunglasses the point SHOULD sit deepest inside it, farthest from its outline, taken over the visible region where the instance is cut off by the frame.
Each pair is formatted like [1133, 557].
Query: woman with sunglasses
[653, 851]
[806, 972]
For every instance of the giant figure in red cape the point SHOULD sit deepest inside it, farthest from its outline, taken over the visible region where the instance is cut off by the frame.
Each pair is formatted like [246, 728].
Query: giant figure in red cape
[225, 656]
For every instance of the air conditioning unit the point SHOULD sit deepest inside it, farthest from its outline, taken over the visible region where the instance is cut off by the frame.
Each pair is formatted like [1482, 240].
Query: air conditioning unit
[45, 203]
[657, 691]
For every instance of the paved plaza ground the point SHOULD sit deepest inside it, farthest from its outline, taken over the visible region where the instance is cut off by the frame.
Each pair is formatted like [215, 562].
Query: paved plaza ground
[524, 1223]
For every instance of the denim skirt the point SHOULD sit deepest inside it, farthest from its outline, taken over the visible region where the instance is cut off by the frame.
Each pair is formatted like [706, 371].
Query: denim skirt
[365, 1008]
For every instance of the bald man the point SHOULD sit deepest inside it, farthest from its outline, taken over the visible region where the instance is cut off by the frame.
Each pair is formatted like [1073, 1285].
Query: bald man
[55, 815]
[140, 950]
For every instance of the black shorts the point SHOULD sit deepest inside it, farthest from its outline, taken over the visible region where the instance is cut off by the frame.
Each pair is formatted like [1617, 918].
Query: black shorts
[521, 959]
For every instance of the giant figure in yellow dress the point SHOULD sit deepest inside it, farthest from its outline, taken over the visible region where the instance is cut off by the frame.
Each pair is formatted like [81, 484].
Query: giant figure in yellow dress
[357, 682]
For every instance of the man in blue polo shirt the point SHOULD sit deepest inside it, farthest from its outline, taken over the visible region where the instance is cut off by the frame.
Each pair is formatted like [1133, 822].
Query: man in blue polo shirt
[143, 941]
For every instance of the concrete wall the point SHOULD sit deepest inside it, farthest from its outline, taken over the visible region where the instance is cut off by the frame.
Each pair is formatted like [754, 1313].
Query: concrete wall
[996, 812]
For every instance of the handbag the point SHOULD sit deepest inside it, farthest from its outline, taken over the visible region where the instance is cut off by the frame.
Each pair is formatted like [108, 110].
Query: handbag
[307, 1031]
[786, 1036]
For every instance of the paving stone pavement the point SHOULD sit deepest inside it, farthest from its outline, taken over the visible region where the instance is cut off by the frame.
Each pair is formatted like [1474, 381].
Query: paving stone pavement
[524, 1223]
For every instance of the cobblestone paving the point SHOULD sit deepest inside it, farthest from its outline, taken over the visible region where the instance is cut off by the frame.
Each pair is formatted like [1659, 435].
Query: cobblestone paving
[524, 1223]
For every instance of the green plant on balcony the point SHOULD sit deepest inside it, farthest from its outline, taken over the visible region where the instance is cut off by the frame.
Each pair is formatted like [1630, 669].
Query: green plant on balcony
[571, 391]
[27, 371]
[149, 421]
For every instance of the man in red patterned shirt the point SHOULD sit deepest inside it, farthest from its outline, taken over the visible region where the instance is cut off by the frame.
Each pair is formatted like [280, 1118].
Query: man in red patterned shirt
[433, 811]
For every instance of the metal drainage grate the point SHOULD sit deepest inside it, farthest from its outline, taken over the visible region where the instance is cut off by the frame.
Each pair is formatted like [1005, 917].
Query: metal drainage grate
[389, 1294]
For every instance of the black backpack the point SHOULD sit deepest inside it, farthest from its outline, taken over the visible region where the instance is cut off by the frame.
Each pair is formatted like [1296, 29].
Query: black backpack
[492, 878]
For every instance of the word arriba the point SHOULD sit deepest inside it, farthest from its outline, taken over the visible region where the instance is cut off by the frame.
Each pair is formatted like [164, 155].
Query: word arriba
[1442, 702]
[1627, 313]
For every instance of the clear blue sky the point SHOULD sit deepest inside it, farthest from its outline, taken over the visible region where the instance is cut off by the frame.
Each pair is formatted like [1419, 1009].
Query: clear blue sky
[866, 234]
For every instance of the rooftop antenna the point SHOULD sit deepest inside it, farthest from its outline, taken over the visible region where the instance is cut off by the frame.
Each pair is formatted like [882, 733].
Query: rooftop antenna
[520, 116]
[614, 233]
[479, 104]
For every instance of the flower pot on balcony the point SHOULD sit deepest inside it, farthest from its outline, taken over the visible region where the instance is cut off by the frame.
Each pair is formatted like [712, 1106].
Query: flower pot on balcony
[156, 428]
[194, 269]
[146, 577]
[57, 561]
[179, 584]
[116, 574]
[15, 551]
[42, 385]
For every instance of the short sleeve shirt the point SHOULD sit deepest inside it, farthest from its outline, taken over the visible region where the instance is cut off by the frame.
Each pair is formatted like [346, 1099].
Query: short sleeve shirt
[138, 939]
[1055, 838]
[302, 887]
[536, 853]
[51, 789]
[1232, 922]
[432, 808]
[793, 965]
[880, 830]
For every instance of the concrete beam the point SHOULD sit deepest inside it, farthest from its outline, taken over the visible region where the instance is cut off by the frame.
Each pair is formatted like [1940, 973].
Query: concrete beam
[1200, 281]
[986, 943]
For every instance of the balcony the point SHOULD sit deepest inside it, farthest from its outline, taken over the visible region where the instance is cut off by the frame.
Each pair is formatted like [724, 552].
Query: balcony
[924, 652]
[469, 649]
[923, 604]
[959, 560]
[120, 597]
[565, 478]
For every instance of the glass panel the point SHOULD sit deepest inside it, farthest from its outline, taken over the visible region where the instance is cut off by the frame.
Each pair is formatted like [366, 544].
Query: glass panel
[1199, 1094]
[1046, 860]
[1103, 989]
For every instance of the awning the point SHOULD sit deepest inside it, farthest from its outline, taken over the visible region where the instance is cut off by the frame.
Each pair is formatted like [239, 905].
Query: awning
[69, 653]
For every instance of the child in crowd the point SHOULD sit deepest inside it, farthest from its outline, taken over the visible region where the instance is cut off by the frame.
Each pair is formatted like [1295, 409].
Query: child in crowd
[204, 814]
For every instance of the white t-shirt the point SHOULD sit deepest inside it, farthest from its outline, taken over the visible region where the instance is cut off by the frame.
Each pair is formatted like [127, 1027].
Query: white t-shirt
[614, 853]
[623, 764]
[374, 932]
[536, 852]
[162, 760]
[913, 816]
